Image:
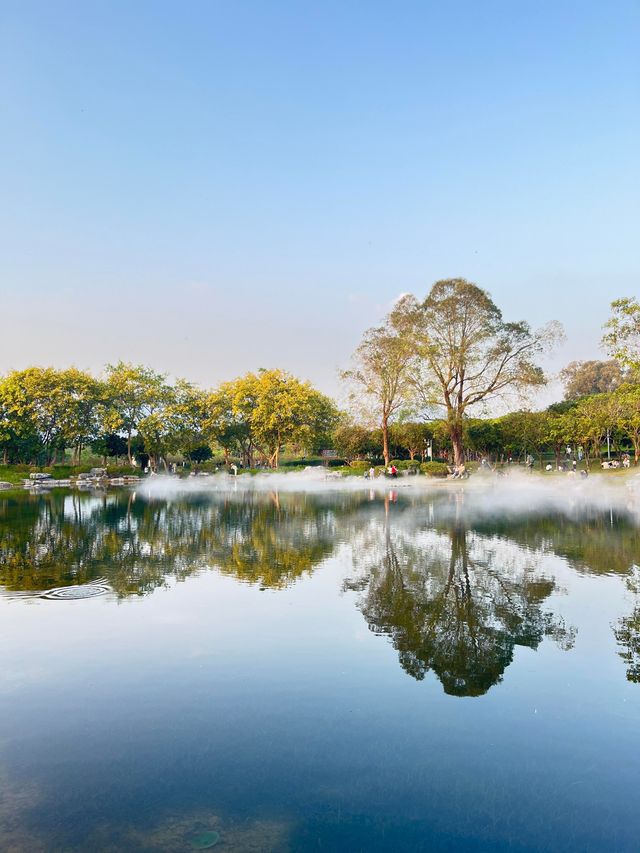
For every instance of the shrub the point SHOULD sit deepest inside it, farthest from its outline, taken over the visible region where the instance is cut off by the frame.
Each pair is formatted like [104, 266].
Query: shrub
[434, 469]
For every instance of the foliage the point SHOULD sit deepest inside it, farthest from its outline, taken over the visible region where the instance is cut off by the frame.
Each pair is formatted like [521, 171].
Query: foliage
[352, 441]
[265, 410]
[412, 436]
[466, 354]
[380, 371]
[434, 469]
[50, 409]
[583, 378]
[135, 394]
[622, 332]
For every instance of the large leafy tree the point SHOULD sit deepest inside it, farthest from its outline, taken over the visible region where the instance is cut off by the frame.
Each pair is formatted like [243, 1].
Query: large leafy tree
[281, 409]
[582, 378]
[260, 412]
[135, 393]
[469, 355]
[413, 437]
[622, 332]
[60, 408]
[227, 426]
[625, 408]
[522, 432]
[588, 423]
[352, 440]
[381, 368]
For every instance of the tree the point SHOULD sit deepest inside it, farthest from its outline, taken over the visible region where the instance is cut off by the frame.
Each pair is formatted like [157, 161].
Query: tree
[134, 393]
[199, 454]
[588, 423]
[557, 428]
[178, 426]
[279, 409]
[469, 355]
[61, 408]
[625, 405]
[381, 369]
[583, 378]
[482, 436]
[413, 436]
[351, 440]
[622, 332]
[109, 444]
[522, 432]
[84, 411]
[227, 426]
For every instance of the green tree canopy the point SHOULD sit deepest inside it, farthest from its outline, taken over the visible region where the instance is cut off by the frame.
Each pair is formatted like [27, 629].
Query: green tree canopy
[469, 355]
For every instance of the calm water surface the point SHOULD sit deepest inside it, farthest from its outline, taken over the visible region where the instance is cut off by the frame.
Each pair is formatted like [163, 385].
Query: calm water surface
[341, 671]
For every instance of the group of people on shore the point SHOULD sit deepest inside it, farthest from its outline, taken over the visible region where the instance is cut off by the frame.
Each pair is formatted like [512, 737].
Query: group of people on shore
[391, 471]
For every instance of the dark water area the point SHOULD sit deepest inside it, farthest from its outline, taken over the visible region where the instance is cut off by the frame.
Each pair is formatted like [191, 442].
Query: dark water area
[337, 671]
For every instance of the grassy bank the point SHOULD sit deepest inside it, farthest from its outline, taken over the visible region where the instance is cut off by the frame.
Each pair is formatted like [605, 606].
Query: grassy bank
[15, 474]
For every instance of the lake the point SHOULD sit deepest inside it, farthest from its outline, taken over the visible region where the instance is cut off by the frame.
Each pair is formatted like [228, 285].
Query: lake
[333, 669]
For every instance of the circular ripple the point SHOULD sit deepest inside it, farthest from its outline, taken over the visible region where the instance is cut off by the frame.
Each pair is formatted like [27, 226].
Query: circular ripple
[72, 593]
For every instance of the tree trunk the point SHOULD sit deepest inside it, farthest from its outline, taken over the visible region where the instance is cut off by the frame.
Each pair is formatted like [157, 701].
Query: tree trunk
[274, 458]
[385, 441]
[455, 431]
[129, 448]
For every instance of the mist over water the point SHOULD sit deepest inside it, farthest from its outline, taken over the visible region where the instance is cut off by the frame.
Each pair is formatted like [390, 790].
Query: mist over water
[483, 494]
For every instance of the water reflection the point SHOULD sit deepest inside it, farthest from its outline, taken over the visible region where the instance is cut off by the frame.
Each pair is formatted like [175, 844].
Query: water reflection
[627, 631]
[135, 546]
[456, 603]
[454, 589]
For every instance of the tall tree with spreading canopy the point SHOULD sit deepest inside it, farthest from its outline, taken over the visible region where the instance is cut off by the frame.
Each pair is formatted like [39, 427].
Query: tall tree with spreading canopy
[469, 355]
[380, 373]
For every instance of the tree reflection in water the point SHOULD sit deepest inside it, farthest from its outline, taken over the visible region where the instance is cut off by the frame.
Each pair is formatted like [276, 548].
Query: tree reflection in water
[136, 546]
[456, 603]
[454, 588]
[627, 631]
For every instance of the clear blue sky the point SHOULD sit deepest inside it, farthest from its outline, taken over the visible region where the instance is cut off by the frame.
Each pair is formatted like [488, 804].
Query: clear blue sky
[213, 187]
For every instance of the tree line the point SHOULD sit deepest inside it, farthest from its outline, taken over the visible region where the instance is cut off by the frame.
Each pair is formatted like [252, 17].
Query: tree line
[132, 409]
[416, 381]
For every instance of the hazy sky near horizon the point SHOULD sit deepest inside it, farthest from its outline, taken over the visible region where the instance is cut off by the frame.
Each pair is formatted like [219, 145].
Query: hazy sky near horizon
[214, 187]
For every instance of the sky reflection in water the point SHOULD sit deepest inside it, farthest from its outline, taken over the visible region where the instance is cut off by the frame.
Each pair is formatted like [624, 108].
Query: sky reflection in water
[349, 671]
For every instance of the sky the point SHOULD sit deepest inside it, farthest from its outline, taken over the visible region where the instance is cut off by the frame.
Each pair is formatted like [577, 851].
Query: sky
[210, 188]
